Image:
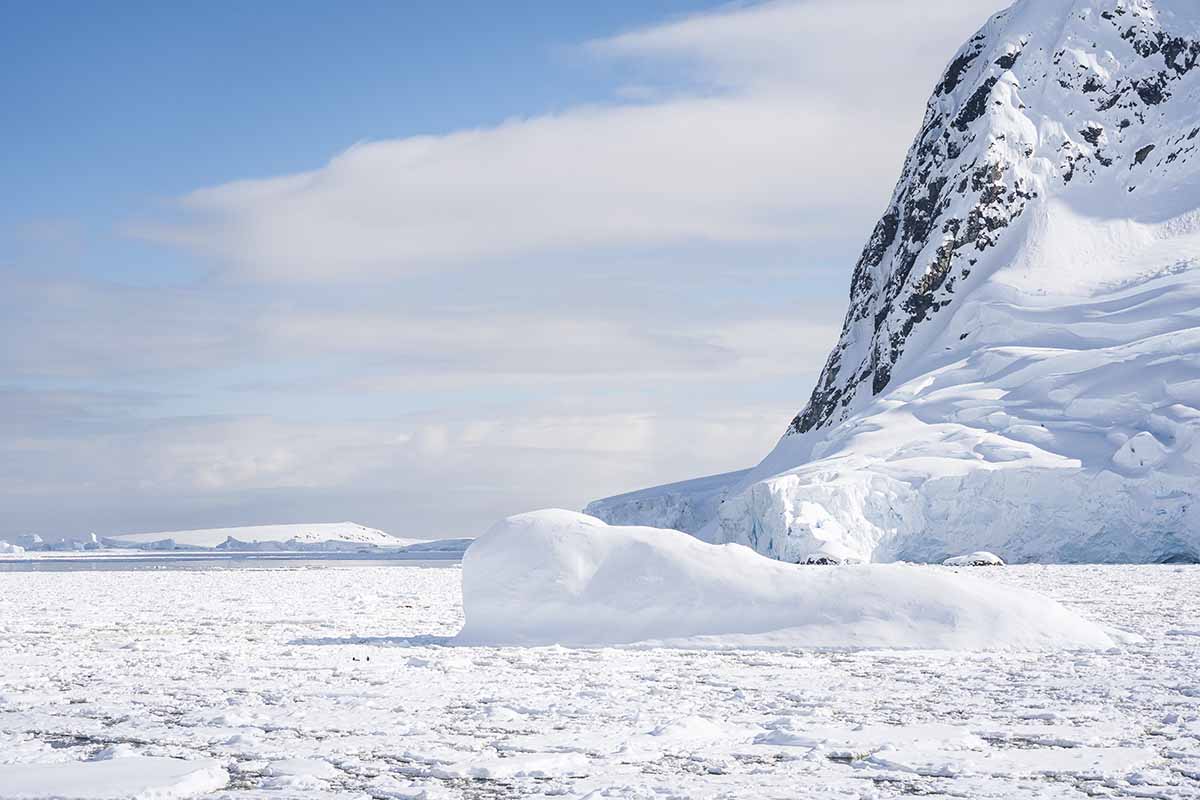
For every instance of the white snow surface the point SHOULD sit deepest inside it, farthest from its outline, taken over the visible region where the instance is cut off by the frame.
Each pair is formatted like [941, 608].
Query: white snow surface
[301, 534]
[559, 577]
[136, 778]
[1046, 404]
[346, 682]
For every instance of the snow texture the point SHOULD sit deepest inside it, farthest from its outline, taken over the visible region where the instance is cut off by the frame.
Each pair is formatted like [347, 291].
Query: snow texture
[344, 682]
[136, 778]
[559, 577]
[1019, 368]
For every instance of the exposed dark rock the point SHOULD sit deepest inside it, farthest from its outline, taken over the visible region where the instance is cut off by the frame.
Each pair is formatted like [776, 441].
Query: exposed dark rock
[975, 107]
[964, 182]
[1008, 60]
[955, 71]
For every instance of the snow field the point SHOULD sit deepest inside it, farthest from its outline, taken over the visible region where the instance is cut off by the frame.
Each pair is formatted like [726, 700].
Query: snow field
[341, 683]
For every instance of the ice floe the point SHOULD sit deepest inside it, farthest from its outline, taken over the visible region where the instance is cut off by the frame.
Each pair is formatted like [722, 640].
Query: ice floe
[136, 778]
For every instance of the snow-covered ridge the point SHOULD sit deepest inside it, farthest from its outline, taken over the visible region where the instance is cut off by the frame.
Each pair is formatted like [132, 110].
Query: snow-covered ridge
[1019, 369]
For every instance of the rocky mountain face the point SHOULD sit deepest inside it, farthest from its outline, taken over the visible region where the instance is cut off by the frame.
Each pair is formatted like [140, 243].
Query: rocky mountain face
[1048, 94]
[1019, 367]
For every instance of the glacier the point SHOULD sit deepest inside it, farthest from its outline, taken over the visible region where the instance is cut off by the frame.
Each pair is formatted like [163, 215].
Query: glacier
[1019, 367]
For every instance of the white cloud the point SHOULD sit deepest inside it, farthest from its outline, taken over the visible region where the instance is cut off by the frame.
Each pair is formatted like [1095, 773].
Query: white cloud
[586, 345]
[725, 169]
[879, 54]
[816, 104]
[540, 384]
[430, 475]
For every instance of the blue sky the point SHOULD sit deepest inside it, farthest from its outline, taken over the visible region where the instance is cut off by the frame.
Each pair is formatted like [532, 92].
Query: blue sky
[420, 265]
[148, 101]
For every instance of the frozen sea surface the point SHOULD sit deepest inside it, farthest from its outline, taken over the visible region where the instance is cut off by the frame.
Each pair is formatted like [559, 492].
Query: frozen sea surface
[338, 682]
[124, 561]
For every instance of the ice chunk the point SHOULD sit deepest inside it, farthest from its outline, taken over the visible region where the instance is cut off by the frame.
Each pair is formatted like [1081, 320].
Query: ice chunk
[529, 765]
[1141, 452]
[859, 742]
[139, 777]
[302, 767]
[981, 558]
[1096, 763]
[560, 577]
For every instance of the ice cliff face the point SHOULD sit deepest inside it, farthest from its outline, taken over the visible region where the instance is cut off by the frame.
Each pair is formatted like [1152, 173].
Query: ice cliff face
[1019, 367]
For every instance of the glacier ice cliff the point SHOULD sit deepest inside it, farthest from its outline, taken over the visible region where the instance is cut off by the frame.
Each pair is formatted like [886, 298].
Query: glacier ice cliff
[1019, 366]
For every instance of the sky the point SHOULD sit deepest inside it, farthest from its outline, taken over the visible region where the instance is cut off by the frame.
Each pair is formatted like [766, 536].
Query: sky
[421, 265]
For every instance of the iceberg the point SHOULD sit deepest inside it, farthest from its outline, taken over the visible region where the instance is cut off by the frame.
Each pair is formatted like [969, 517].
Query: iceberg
[560, 577]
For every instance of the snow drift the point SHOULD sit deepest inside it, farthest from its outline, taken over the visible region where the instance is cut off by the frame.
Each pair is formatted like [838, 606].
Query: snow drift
[1019, 367]
[561, 577]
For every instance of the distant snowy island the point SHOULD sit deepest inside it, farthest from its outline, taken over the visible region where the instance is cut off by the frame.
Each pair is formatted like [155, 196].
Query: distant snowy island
[330, 537]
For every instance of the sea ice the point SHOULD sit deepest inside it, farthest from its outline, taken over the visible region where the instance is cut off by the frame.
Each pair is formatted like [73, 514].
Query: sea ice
[346, 681]
[137, 778]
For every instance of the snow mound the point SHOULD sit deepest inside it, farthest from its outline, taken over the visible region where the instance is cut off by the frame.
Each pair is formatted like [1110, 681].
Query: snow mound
[137, 777]
[981, 558]
[559, 577]
[9, 549]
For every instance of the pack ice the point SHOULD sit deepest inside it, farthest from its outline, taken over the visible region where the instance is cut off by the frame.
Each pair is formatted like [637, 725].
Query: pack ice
[1019, 367]
[559, 577]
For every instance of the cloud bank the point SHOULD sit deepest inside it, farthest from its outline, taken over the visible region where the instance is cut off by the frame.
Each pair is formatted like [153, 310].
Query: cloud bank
[793, 119]
[427, 333]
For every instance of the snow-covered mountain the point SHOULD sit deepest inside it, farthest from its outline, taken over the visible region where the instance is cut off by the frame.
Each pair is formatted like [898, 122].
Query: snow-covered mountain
[1019, 368]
